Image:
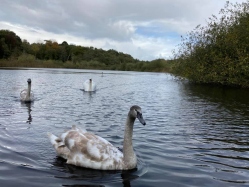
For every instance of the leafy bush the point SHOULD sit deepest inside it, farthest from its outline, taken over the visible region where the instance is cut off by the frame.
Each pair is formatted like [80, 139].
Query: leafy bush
[219, 52]
[26, 58]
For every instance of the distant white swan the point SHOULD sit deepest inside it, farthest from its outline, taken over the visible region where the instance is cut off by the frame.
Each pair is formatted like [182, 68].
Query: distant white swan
[89, 86]
[27, 95]
[82, 148]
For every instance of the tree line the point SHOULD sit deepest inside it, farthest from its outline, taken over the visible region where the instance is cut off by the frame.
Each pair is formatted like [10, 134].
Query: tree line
[17, 52]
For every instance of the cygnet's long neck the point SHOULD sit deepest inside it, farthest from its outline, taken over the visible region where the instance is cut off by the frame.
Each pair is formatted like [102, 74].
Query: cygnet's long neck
[90, 86]
[130, 159]
[28, 92]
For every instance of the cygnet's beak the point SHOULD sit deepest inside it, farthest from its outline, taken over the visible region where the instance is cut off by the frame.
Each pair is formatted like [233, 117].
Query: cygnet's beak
[140, 118]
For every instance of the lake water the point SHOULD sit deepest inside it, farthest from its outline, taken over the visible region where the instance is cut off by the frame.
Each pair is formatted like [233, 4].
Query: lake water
[195, 135]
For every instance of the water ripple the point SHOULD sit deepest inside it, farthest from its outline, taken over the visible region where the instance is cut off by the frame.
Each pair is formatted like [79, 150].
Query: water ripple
[194, 135]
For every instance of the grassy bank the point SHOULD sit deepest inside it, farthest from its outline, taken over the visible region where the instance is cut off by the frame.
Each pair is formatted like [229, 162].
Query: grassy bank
[159, 65]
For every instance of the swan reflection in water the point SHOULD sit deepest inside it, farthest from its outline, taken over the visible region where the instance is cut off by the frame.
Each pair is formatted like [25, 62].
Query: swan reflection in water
[28, 105]
[91, 177]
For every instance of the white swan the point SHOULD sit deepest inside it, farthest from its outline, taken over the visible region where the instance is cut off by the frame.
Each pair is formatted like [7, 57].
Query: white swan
[89, 86]
[27, 95]
[82, 148]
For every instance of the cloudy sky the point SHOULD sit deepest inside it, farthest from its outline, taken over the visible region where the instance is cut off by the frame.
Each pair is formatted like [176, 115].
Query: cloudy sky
[145, 29]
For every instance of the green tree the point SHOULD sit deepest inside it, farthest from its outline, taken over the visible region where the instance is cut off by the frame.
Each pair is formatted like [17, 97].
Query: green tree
[26, 46]
[11, 44]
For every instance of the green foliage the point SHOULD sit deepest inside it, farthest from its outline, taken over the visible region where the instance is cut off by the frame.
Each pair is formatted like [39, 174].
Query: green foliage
[50, 54]
[219, 52]
[10, 44]
[26, 58]
[4, 49]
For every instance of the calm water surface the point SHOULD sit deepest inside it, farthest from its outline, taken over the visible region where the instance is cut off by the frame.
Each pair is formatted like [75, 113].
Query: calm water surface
[195, 135]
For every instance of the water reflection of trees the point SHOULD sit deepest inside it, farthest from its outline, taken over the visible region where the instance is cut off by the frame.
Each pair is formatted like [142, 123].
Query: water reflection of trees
[93, 176]
[220, 122]
[233, 99]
